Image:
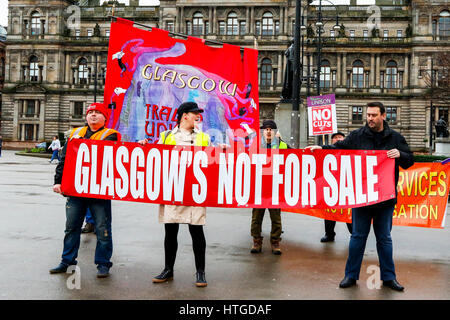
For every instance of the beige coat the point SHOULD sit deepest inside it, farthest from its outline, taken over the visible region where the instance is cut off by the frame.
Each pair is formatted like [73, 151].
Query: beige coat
[182, 214]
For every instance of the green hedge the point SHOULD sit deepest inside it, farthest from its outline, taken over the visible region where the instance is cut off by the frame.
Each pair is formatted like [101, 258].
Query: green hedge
[428, 158]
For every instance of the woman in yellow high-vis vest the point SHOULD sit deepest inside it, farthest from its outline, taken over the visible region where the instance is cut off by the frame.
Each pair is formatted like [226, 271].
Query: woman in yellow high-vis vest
[185, 133]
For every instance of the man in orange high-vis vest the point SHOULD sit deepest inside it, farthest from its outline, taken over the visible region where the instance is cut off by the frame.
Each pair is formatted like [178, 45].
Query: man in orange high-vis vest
[76, 207]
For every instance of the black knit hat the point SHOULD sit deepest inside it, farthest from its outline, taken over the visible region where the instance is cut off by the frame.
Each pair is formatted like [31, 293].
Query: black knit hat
[268, 124]
[186, 107]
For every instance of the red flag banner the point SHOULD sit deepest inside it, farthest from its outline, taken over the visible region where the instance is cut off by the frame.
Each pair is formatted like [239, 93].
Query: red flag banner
[213, 177]
[421, 202]
[151, 73]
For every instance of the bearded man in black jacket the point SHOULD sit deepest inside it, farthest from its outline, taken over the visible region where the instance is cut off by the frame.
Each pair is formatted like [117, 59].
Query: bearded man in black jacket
[375, 135]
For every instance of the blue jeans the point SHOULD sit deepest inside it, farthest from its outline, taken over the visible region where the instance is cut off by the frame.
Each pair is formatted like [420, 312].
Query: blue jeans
[89, 218]
[76, 208]
[55, 155]
[382, 226]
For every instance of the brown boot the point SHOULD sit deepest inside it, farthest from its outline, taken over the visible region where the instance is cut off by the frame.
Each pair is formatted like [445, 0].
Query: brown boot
[276, 246]
[257, 245]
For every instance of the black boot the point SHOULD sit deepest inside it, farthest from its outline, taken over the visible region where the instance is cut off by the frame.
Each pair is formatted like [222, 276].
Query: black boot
[327, 238]
[201, 280]
[61, 268]
[347, 282]
[394, 285]
[165, 275]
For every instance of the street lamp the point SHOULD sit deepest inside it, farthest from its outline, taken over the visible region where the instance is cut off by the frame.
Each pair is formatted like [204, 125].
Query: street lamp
[319, 25]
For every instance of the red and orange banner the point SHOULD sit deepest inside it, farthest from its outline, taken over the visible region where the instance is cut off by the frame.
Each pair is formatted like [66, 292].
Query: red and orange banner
[232, 177]
[421, 202]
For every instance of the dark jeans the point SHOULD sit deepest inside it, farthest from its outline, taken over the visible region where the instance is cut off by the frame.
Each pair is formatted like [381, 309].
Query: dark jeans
[329, 227]
[171, 245]
[382, 225]
[76, 208]
[257, 219]
[89, 218]
[55, 155]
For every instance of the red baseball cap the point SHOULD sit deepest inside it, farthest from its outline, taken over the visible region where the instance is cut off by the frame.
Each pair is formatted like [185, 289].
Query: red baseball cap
[99, 107]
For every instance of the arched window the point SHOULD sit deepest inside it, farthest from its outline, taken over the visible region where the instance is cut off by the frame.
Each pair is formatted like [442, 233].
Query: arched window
[232, 24]
[267, 24]
[34, 69]
[391, 75]
[83, 73]
[358, 74]
[35, 23]
[266, 73]
[325, 74]
[198, 24]
[444, 23]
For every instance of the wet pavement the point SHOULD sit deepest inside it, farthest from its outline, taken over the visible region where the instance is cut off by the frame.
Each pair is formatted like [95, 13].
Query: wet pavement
[32, 220]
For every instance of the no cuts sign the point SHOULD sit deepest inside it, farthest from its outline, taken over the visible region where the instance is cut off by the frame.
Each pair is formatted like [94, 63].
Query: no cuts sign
[322, 115]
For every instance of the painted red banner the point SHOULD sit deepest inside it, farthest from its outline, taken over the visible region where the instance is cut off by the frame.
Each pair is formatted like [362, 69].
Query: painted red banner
[151, 73]
[422, 198]
[212, 177]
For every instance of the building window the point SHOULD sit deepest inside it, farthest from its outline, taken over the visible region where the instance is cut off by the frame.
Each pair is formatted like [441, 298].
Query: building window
[386, 34]
[266, 73]
[170, 26]
[334, 78]
[35, 23]
[30, 110]
[332, 34]
[222, 28]
[399, 34]
[188, 27]
[357, 114]
[352, 33]
[89, 32]
[242, 28]
[107, 32]
[267, 24]
[257, 28]
[391, 75]
[77, 33]
[34, 69]
[391, 114]
[366, 35]
[2, 67]
[78, 109]
[198, 24]
[443, 112]
[232, 24]
[358, 74]
[434, 29]
[83, 73]
[444, 23]
[325, 74]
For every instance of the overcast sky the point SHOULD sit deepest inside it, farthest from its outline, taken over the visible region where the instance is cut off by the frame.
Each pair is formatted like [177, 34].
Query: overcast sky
[4, 6]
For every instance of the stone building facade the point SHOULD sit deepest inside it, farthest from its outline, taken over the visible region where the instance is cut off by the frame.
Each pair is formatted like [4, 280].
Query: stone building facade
[52, 63]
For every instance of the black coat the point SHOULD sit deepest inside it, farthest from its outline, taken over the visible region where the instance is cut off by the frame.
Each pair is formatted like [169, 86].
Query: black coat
[364, 139]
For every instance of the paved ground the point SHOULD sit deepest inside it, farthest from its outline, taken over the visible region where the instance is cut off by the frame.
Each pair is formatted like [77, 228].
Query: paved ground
[31, 231]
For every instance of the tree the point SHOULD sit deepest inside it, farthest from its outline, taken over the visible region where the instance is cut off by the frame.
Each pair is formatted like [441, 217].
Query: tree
[438, 81]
